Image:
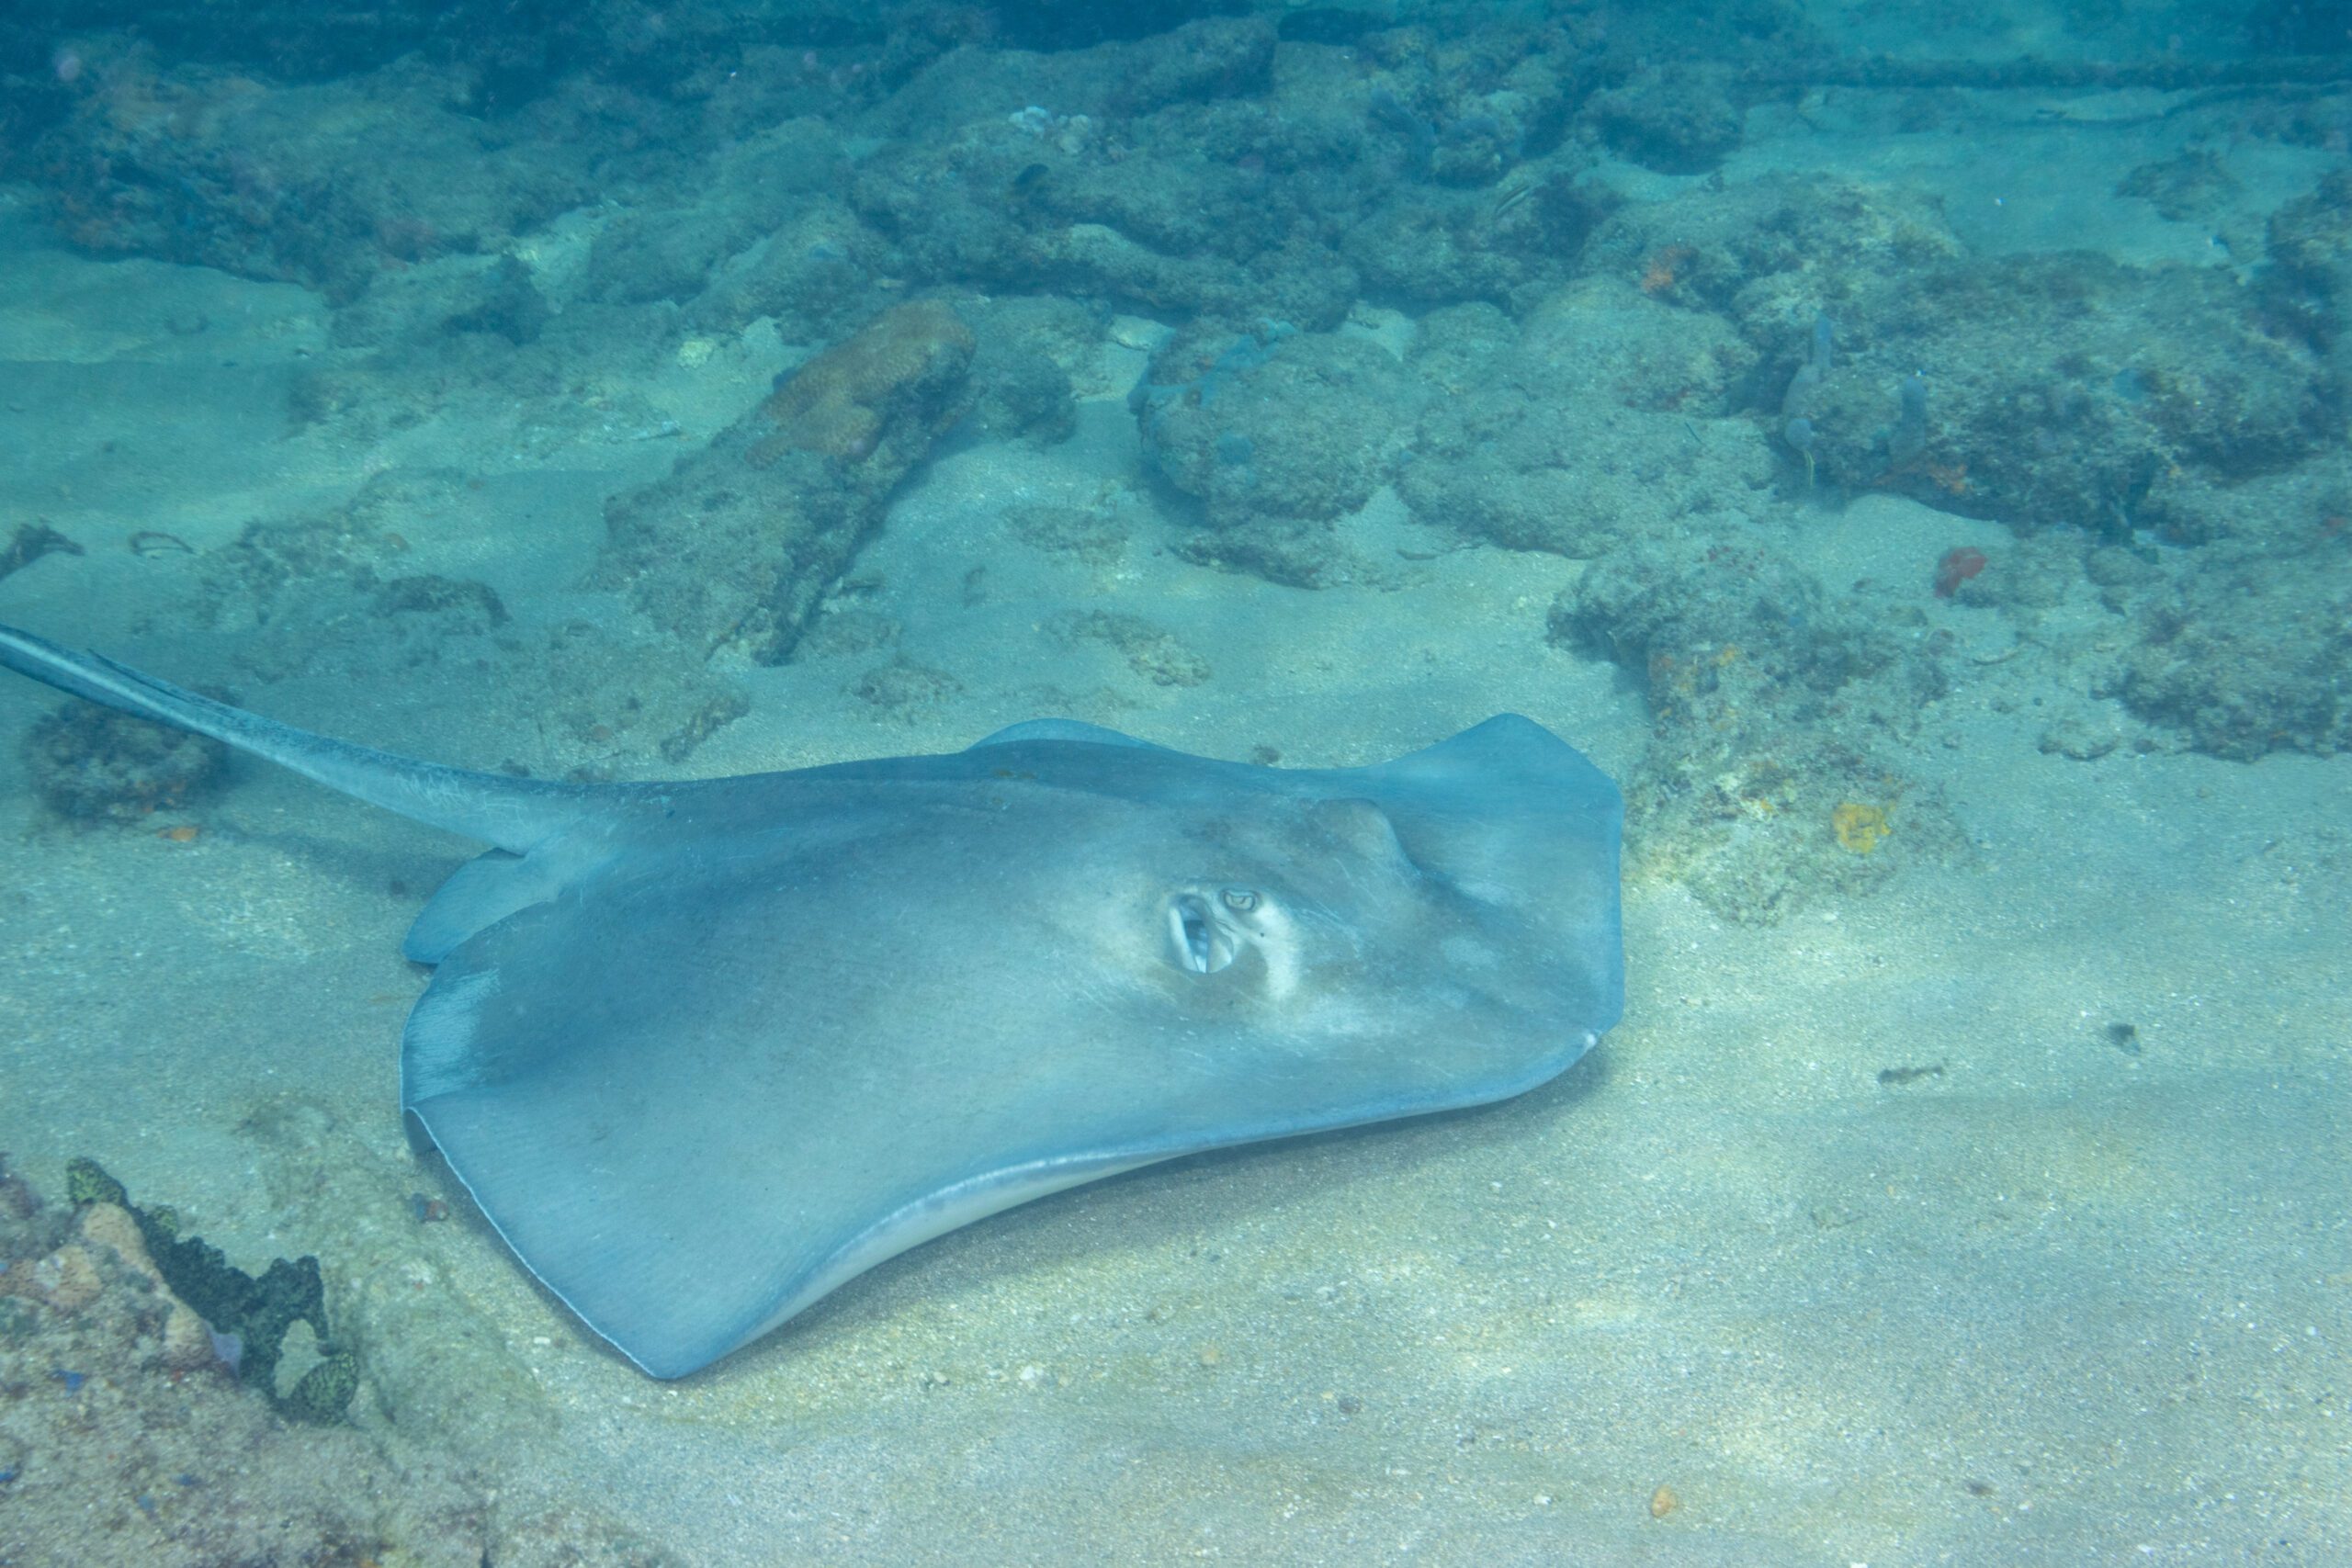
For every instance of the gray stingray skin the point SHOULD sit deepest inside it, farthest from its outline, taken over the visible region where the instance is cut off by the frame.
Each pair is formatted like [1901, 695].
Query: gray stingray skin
[703, 1051]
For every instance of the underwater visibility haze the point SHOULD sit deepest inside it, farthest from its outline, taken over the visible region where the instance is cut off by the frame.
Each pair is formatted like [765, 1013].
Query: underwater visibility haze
[1050, 614]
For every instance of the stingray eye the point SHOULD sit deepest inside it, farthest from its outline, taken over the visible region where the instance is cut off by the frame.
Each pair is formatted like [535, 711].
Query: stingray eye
[1240, 901]
[1202, 944]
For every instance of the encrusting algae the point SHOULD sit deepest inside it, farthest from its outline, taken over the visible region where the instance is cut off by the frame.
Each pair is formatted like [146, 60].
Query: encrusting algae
[1859, 827]
[845, 401]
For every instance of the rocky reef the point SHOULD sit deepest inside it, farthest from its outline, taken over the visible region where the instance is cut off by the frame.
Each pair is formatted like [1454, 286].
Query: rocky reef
[1515, 271]
[734, 549]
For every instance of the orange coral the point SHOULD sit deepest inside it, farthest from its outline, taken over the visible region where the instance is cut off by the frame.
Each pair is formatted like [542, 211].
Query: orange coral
[1664, 266]
[905, 363]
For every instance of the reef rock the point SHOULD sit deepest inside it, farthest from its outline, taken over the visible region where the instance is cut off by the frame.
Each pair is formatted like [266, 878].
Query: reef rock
[735, 548]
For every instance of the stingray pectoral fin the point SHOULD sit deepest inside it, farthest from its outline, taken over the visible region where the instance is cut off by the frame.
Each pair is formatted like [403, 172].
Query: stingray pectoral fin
[1522, 821]
[1490, 763]
[1071, 729]
[660, 1133]
[479, 895]
[605, 1188]
[682, 1192]
[513, 814]
[674, 1239]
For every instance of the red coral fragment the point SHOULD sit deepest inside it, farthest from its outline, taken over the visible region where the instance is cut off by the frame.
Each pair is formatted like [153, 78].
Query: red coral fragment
[1957, 566]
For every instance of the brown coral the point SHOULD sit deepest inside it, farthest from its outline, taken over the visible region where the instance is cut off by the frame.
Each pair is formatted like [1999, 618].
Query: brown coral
[890, 388]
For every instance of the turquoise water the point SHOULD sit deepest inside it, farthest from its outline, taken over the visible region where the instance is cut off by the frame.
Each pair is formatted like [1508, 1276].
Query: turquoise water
[1905, 447]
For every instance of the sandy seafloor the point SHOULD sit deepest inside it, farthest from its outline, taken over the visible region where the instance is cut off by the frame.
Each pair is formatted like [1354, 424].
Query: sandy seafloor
[2060, 1302]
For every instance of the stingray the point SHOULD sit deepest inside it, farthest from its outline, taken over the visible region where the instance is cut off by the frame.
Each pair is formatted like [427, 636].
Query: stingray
[702, 1051]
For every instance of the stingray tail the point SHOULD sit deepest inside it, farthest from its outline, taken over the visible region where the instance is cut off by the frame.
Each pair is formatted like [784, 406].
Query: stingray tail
[512, 814]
